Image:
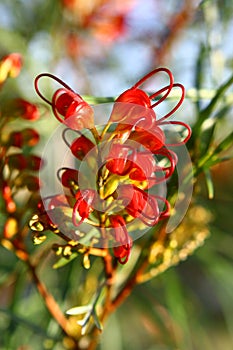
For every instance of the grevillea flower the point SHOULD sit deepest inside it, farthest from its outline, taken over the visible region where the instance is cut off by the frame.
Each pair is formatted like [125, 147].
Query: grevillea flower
[83, 205]
[152, 141]
[117, 159]
[27, 110]
[142, 166]
[81, 146]
[20, 161]
[119, 168]
[68, 106]
[123, 160]
[142, 205]
[126, 114]
[69, 177]
[26, 137]
[121, 251]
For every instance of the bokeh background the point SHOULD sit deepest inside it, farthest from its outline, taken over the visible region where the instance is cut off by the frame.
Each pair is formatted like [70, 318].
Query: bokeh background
[100, 48]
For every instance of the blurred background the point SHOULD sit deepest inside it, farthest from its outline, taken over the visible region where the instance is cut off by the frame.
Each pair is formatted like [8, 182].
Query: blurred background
[101, 48]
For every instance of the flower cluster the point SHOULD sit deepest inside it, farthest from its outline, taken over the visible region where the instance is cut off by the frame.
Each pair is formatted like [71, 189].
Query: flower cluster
[102, 22]
[19, 180]
[115, 187]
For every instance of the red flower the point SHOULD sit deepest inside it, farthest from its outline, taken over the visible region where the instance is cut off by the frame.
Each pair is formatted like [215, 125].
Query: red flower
[129, 116]
[123, 159]
[127, 163]
[27, 110]
[142, 166]
[81, 146]
[69, 177]
[117, 159]
[141, 204]
[31, 182]
[135, 96]
[68, 107]
[34, 162]
[122, 253]
[17, 161]
[153, 139]
[26, 137]
[21, 162]
[83, 205]
[121, 237]
[108, 28]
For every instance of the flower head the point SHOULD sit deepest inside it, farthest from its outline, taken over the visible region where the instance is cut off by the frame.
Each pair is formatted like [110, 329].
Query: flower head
[68, 107]
[119, 169]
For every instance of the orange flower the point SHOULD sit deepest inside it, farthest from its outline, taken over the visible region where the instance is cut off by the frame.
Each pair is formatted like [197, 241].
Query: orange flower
[10, 66]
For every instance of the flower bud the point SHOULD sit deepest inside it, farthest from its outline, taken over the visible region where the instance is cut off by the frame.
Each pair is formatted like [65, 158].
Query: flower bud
[70, 109]
[27, 110]
[17, 161]
[26, 137]
[136, 96]
[33, 162]
[10, 228]
[81, 146]
[69, 177]
[30, 181]
[7, 196]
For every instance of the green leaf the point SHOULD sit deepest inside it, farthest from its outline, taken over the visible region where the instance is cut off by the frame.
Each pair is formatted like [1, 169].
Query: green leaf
[208, 128]
[199, 72]
[212, 157]
[97, 320]
[64, 261]
[215, 160]
[177, 308]
[206, 134]
[206, 112]
[209, 183]
[220, 92]
[225, 144]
